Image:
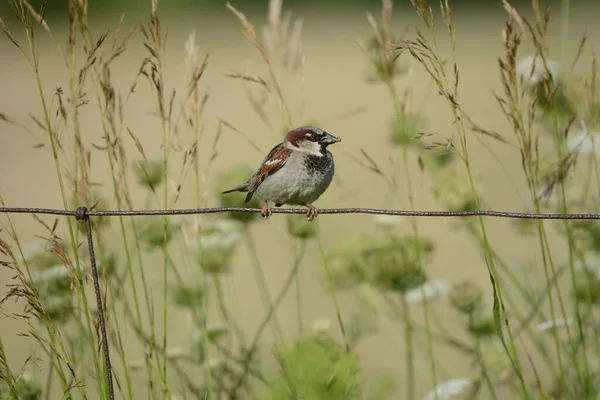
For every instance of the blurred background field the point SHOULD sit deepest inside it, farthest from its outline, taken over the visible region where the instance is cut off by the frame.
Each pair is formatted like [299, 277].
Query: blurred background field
[332, 90]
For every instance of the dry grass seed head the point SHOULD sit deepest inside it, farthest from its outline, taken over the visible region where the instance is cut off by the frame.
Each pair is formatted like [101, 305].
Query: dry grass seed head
[447, 17]
[38, 16]
[379, 49]
[254, 79]
[192, 58]
[118, 48]
[424, 11]
[249, 33]
[9, 34]
[7, 251]
[559, 175]
[512, 12]
[579, 52]
[421, 51]
[282, 39]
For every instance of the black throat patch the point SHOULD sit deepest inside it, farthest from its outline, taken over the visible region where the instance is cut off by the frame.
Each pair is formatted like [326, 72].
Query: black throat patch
[318, 164]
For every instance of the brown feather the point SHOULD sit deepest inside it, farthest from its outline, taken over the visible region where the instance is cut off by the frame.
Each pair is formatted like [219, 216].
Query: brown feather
[272, 163]
[297, 134]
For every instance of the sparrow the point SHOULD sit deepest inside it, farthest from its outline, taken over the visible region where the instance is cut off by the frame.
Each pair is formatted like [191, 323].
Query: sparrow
[297, 171]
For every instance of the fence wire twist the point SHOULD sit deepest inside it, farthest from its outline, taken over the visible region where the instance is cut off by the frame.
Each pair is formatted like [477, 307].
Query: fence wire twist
[83, 214]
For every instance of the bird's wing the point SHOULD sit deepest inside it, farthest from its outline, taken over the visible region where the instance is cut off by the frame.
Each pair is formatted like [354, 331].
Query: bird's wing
[272, 163]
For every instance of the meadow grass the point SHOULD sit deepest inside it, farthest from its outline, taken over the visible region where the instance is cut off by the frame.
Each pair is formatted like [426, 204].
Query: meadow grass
[527, 342]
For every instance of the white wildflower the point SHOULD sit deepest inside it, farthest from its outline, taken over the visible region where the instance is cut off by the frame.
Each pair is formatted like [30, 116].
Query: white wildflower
[321, 325]
[222, 233]
[429, 291]
[38, 254]
[220, 240]
[62, 272]
[174, 353]
[50, 274]
[35, 247]
[447, 390]
[531, 69]
[547, 325]
[215, 244]
[588, 264]
[586, 143]
[387, 221]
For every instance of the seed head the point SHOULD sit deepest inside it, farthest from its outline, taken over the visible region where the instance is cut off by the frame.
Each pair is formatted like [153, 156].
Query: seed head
[466, 297]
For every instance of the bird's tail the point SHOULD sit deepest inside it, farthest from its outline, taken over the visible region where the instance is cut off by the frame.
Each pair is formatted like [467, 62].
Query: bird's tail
[239, 188]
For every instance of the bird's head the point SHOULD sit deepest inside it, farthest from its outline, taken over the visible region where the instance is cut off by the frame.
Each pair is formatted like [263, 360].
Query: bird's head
[309, 139]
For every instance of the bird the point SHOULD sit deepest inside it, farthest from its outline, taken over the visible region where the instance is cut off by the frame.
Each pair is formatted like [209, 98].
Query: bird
[296, 171]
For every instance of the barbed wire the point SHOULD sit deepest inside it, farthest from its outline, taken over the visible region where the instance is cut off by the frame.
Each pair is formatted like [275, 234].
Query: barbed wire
[83, 214]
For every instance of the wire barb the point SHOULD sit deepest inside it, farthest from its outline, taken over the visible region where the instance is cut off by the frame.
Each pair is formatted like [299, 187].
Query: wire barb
[80, 213]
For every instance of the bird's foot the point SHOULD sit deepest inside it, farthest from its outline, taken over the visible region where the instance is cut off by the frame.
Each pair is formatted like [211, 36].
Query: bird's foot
[266, 210]
[312, 212]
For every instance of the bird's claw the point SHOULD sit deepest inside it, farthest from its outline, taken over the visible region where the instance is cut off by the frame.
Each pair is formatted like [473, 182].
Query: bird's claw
[312, 212]
[266, 211]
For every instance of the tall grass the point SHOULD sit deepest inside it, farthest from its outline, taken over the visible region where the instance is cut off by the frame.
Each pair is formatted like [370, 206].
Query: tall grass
[528, 340]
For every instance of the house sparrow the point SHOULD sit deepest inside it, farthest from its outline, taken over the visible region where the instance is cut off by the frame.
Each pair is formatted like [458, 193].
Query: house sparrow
[296, 172]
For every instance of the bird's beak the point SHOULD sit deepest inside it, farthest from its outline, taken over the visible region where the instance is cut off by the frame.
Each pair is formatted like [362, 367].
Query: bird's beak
[328, 139]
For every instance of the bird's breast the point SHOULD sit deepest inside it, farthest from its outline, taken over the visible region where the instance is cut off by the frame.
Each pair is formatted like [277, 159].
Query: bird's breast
[318, 165]
[302, 179]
